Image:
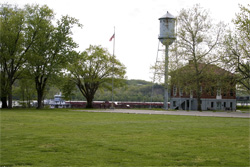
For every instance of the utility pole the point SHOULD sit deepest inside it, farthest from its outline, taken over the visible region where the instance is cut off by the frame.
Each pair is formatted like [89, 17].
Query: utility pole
[113, 37]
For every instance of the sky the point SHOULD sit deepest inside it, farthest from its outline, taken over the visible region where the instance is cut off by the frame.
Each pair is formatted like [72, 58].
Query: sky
[135, 23]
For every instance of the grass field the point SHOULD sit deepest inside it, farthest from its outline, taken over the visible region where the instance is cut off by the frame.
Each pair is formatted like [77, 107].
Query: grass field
[73, 138]
[244, 108]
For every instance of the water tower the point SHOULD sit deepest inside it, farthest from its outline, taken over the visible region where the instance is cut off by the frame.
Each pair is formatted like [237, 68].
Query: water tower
[167, 37]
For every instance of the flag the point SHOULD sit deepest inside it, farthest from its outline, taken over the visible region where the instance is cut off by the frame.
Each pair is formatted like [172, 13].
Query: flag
[113, 36]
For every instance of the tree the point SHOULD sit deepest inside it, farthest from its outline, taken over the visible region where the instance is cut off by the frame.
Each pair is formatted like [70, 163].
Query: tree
[93, 69]
[52, 45]
[237, 48]
[68, 87]
[24, 90]
[4, 86]
[15, 42]
[197, 41]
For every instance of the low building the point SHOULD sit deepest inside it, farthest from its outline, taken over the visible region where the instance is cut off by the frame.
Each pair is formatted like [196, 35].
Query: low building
[217, 90]
[243, 100]
[59, 102]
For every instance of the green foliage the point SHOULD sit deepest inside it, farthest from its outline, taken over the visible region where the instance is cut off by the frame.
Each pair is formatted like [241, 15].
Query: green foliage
[242, 19]
[198, 41]
[198, 37]
[51, 46]
[30, 40]
[68, 87]
[212, 78]
[244, 108]
[94, 69]
[237, 48]
[133, 90]
[25, 91]
[15, 43]
[73, 138]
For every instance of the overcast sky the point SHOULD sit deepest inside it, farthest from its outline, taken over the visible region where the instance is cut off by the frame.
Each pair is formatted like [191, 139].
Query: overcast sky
[136, 25]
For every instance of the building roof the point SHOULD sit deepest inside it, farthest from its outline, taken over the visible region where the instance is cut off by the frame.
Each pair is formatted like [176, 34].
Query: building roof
[167, 15]
[211, 68]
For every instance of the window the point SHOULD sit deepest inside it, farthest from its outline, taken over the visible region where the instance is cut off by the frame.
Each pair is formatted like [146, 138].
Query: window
[175, 91]
[174, 103]
[207, 91]
[212, 91]
[224, 93]
[231, 92]
[212, 104]
[181, 92]
[191, 94]
[218, 104]
[218, 92]
[225, 104]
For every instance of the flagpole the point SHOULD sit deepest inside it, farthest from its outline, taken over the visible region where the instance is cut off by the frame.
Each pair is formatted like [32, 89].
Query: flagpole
[112, 104]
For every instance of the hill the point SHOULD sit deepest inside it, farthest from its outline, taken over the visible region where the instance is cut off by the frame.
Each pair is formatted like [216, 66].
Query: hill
[133, 90]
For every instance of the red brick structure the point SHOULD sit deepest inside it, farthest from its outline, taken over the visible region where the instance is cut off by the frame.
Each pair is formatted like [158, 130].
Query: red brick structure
[218, 88]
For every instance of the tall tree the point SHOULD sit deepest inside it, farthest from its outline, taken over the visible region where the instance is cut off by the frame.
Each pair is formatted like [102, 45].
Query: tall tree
[93, 69]
[52, 44]
[25, 90]
[197, 40]
[15, 42]
[4, 86]
[67, 86]
[237, 48]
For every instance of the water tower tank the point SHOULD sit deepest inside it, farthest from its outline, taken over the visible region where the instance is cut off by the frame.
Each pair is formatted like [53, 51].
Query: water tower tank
[167, 29]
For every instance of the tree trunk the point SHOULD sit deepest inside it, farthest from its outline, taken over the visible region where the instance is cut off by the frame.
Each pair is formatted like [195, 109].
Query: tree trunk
[89, 97]
[89, 102]
[28, 101]
[39, 98]
[4, 88]
[88, 92]
[198, 92]
[10, 96]
[198, 86]
[199, 103]
[4, 102]
[40, 85]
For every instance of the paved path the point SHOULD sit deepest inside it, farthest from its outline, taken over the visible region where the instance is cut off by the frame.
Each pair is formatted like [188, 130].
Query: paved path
[190, 113]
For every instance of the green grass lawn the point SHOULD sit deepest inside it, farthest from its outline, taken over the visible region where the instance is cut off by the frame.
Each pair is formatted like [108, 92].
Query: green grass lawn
[245, 109]
[73, 138]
